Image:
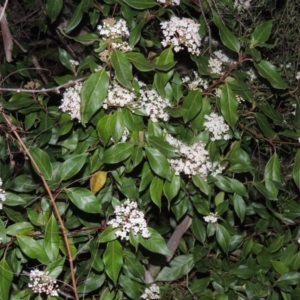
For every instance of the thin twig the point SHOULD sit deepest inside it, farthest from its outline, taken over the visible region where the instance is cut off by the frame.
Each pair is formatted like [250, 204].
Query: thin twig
[53, 89]
[62, 225]
[3, 10]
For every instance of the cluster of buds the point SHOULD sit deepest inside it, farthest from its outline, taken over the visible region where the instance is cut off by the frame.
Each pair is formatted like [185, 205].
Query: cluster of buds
[41, 282]
[151, 293]
[216, 125]
[2, 195]
[129, 219]
[211, 218]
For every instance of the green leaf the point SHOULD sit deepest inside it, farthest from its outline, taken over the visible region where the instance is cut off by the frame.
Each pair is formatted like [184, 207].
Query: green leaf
[155, 243]
[279, 267]
[72, 166]
[51, 242]
[158, 163]
[147, 177]
[55, 268]
[141, 4]
[140, 62]
[42, 160]
[6, 277]
[84, 199]
[65, 58]
[75, 19]
[156, 188]
[192, 103]
[223, 237]
[198, 229]
[265, 126]
[296, 169]
[244, 271]
[272, 169]
[93, 93]
[227, 37]
[113, 260]
[53, 8]
[179, 266]
[21, 228]
[122, 67]
[104, 129]
[237, 187]
[201, 184]
[33, 249]
[117, 153]
[269, 71]
[131, 288]
[162, 146]
[261, 33]
[91, 283]
[291, 278]
[172, 188]
[135, 35]
[276, 244]
[134, 266]
[239, 206]
[107, 235]
[229, 106]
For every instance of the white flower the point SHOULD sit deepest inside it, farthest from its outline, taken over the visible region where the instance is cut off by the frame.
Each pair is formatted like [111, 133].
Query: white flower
[216, 125]
[40, 282]
[215, 64]
[113, 29]
[151, 293]
[194, 161]
[196, 83]
[169, 2]
[223, 57]
[74, 63]
[242, 4]
[71, 101]
[2, 195]
[179, 32]
[211, 218]
[129, 219]
[298, 76]
[252, 74]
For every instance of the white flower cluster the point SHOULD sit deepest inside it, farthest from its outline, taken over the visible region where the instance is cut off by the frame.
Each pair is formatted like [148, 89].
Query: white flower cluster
[196, 159]
[118, 96]
[71, 101]
[74, 63]
[129, 219]
[151, 293]
[153, 104]
[180, 32]
[149, 100]
[216, 66]
[40, 282]
[211, 218]
[242, 4]
[252, 74]
[216, 125]
[115, 30]
[2, 195]
[169, 2]
[298, 76]
[196, 83]
[223, 57]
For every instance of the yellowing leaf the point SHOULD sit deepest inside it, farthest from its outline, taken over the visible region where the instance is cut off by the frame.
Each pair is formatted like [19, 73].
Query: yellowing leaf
[97, 181]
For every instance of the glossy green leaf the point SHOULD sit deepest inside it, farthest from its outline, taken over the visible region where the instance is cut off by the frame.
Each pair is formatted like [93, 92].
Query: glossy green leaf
[198, 229]
[155, 243]
[104, 128]
[122, 67]
[140, 62]
[192, 103]
[72, 166]
[93, 93]
[6, 277]
[131, 288]
[156, 188]
[244, 271]
[51, 242]
[107, 235]
[65, 58]
[229, 105]
[113, 260]
[227, 37]
[223, 237]
[147, 177]
[172, 188]
[91, 283]
[201, 183]
[291, 278]
[135, 35]
[158, 163]
[33, 249]
[296, 169]
[117, 153]
[134, 266]
[162, 146]
[261, 33]
[269, 71]
[265, 127]
[21, 228]
[272, 169]
[42, 160]
[279, 267]
[84, 199]
[179, 266]
[141, 4]
[75, 19]
[53, 8]
[239, 206]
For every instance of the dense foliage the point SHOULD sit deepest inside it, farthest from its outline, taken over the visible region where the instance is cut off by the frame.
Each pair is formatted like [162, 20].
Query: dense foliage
[148, 150]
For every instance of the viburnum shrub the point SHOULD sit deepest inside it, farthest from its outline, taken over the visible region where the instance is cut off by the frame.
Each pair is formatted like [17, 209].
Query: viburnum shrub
[160, 163]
